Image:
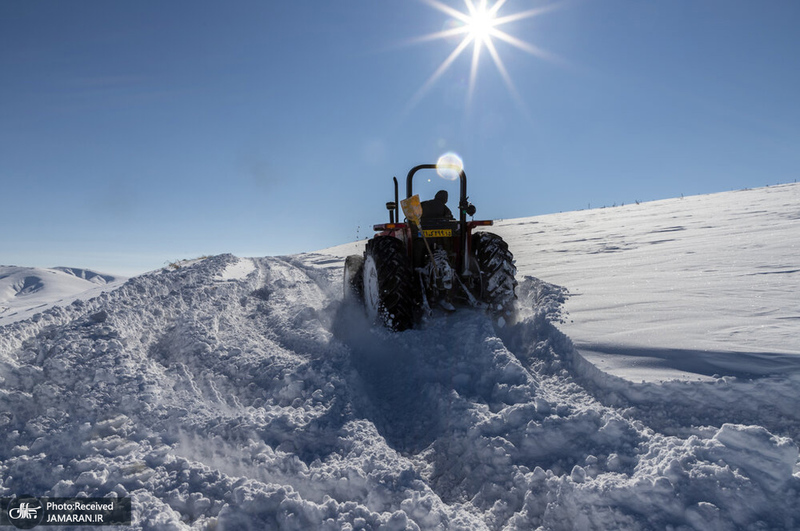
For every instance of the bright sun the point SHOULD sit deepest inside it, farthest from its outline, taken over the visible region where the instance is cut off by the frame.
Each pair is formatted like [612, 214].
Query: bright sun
[481, 23]
[479, 27]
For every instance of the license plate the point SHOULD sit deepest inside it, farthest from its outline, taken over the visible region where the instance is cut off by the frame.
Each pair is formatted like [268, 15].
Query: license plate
[438, 233]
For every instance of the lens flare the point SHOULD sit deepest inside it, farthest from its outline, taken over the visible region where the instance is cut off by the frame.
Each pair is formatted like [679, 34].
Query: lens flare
[449, 166]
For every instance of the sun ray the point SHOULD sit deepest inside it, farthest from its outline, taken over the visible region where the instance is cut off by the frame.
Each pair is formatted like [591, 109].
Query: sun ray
[524, 46]
[471, 7]
[452, 32]
[496, 7]
[439, 71]
[447, 10]
[473, 71]
[506, 77]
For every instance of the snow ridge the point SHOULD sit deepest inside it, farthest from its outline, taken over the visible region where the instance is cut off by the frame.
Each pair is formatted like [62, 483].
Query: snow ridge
[245, 394]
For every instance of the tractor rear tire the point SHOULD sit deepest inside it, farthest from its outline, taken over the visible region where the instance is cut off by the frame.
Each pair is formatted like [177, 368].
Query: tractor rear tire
[388, 283]
[498, 282]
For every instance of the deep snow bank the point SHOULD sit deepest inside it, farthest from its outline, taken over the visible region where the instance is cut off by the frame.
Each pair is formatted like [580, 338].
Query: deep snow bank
[242, 393]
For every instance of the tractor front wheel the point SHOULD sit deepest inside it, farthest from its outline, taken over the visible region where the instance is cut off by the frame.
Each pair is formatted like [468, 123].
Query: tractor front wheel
[388, 283]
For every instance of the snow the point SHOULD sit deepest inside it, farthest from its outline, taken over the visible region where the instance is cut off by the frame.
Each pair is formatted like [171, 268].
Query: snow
[25, 291]
[244, 393]
[688, 287]
[238, 270]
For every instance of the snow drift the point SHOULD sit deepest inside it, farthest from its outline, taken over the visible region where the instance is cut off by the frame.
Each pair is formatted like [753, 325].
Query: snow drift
[242, 393]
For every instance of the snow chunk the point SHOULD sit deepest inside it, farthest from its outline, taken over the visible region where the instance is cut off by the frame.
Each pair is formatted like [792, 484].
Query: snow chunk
[764, 457]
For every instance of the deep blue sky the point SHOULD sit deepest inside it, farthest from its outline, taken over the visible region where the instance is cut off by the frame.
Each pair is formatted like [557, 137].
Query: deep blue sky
[132, 133]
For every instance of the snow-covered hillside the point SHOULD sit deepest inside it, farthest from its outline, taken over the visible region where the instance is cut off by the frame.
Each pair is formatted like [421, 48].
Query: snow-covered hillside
[240, 393]
[680, 288]
[25, 291]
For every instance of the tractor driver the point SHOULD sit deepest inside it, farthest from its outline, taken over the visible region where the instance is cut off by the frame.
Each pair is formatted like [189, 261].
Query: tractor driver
[437, 207]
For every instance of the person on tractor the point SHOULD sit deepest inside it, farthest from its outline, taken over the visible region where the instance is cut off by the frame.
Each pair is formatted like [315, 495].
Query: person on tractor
[437, 207]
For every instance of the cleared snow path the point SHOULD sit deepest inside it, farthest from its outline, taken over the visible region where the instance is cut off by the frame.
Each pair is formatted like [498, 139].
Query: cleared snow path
[225, 396]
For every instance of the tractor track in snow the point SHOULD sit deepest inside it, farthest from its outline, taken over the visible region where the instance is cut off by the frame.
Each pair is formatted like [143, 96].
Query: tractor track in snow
[556, 422]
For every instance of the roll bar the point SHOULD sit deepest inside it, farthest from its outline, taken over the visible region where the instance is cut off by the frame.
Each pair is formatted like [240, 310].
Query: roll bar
[461, 175]
[463, 204]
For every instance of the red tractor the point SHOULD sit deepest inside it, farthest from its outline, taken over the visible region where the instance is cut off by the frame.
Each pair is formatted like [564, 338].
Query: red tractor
[412, 267]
